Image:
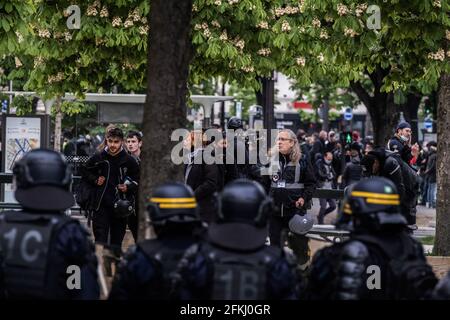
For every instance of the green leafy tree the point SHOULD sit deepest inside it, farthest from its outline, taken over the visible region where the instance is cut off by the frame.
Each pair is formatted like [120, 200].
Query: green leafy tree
[391, 57]
[13, 25]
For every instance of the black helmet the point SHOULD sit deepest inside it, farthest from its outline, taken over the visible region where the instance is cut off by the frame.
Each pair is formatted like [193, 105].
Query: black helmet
[242, 216]
[42, 179]
[373, 203]
[172, 202]
[123, 207]
[234, 123]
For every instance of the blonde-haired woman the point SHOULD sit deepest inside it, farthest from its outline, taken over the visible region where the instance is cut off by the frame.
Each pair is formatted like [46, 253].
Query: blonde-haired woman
[291, 184]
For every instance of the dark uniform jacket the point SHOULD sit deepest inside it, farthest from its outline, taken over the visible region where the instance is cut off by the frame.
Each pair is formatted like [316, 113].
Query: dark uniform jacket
[43, 270]
[343, 271]
[211, 272]
[147, 268]
[290, 182]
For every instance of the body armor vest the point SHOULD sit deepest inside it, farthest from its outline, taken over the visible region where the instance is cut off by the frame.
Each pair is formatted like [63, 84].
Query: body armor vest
[167, 259]
[25, 244]
[240, 276]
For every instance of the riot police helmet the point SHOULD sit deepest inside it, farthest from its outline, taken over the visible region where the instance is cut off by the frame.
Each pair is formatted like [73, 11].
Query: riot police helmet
[172, 202]
[242, 215]
[42, 180]
[374, 203]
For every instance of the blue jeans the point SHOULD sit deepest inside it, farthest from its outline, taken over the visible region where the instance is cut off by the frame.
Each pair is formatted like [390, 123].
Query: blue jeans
[431, 199]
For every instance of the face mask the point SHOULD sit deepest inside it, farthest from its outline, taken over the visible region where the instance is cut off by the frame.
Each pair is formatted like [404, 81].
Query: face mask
[404, 138]
[327, 161]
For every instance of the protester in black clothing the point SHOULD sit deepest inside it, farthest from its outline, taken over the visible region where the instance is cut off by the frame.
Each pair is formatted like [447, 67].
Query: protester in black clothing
[134, 144]
[430, 174]
[381, 162]
[353, 169]
[330, 145]
[304, 146]
[326, 179]
[401, 142]
[203, 178]
[318, 146]
[112, 172]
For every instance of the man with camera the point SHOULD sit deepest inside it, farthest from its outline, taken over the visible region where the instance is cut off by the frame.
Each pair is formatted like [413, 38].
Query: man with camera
[115, 175]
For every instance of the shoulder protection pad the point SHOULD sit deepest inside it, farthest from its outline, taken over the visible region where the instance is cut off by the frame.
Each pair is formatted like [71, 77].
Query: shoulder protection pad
[355, 250]
[442, 289]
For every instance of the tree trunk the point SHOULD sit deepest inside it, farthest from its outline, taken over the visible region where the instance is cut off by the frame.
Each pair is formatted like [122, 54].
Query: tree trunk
[442, 240]
[381, 107]
[222, 107]
[58, 126]
[266, 99]
[325, 115]
[169, 54]
[410, 111]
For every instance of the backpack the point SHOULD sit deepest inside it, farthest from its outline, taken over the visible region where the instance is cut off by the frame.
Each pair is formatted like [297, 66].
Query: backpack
[410, 177]
[85, 195]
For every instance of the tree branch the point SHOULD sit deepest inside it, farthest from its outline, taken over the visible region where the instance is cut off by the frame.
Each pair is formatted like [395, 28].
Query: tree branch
[362, 94]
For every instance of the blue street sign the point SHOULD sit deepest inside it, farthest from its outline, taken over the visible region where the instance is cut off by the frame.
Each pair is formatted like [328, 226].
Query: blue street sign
[428, 124]
[348, 114]
[4, 106]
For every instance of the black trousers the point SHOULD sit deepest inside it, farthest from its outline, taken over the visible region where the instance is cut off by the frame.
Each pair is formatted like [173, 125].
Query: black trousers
[133, 222]
[279, 233]
[107, 228]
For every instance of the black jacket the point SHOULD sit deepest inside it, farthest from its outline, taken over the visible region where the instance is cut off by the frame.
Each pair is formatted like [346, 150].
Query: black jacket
[325, 172]
[285, 197]
[397, 145]
[392, 170]
[114, 169]
[352, 172]
[431, 167]
[317, 148]
[205, 180]
[241, 165]
[404, 272]
[405, 179]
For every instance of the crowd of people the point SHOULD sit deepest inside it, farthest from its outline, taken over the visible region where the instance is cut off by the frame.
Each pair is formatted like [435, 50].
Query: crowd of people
[228, 231]
[227, 259]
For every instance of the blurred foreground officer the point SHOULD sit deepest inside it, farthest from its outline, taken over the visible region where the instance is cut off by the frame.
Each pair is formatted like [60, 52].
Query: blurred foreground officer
[442, 290]
[43, 253]
[380, 260]
[146, 271]
[235, 263]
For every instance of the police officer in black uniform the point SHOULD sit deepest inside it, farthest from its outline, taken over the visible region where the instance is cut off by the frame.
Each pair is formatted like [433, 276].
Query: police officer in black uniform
[146, 272]
[43, 253]
[442, 290]
[239, 153]
[235, 263]
[380, 260]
